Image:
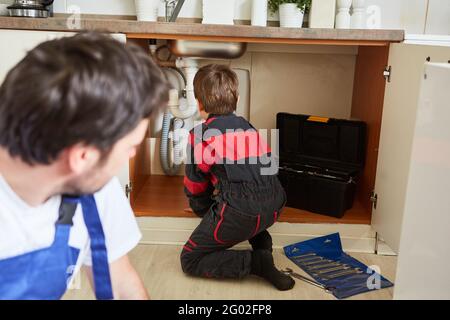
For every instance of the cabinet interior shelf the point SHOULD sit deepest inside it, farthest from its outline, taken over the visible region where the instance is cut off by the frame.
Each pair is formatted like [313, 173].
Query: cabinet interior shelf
[163, 196]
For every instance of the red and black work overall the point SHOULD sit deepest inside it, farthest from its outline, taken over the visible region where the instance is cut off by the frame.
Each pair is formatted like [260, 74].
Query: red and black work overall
[229, 191]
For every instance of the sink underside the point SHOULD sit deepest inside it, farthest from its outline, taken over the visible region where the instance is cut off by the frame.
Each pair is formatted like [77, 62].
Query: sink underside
[207, 49]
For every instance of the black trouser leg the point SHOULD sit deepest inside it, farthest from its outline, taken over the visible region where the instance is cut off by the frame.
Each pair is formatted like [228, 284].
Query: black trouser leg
[217, 264]
[205, 255]
[262, 241]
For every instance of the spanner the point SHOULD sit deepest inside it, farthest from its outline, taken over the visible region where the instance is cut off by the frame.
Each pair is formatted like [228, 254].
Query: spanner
[312, 254]
[307, 259]
[325, 271]
[341, 274]
[290, 272]
[325, 265]
[306, 262]
[312, 263]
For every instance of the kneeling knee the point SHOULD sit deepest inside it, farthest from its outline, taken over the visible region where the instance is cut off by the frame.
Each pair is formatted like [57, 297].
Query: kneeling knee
[187, 262]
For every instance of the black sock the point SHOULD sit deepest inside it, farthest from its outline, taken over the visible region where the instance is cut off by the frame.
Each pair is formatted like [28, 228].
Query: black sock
[264, 267]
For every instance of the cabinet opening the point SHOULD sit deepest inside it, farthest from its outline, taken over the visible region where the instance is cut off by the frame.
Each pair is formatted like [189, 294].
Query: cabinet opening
[157, 195]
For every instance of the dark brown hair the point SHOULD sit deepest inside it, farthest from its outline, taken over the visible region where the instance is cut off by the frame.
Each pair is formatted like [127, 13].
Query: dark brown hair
[87, 89]
[217, 88]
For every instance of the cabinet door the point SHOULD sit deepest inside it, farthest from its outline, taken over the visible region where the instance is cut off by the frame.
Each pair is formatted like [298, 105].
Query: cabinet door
[424, 259]
[14, 44]
[397, 130]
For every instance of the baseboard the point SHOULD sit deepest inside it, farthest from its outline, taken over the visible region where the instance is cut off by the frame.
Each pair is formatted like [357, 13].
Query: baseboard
[176, 231]
[383, 249]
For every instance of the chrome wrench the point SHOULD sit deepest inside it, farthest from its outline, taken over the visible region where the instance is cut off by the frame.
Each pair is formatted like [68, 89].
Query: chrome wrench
[306, 255]
[306, 259]
[306, 262]
[290, 272]
[325, 265]
[312, 263]
[342, 274]
[325, 271]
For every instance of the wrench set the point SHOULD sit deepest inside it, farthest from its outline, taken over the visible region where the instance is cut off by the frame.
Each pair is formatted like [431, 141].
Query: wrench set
[322, 268]
[328, 267]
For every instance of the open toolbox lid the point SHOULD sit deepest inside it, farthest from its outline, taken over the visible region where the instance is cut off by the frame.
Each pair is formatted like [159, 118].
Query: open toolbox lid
[321, 142]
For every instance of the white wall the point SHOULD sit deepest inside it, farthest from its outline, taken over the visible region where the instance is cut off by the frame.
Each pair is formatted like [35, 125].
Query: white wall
[410, 15]
[191, 8]
[402, 14]
[438, 21]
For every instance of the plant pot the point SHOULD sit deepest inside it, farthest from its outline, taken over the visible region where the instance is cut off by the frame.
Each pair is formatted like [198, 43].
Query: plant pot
[290, 16]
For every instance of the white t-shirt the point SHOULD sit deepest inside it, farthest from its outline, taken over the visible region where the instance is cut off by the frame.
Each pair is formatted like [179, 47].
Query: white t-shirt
[25, 229]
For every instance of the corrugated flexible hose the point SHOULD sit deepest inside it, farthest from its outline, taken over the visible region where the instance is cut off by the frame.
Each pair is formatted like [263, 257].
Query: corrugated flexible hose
[169, 167]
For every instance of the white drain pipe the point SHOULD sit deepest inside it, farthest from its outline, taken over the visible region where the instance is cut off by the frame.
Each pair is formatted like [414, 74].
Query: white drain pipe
[184, 108]
[180, 109]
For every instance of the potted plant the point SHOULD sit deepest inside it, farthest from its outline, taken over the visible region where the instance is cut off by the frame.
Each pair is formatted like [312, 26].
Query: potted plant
[291, 11]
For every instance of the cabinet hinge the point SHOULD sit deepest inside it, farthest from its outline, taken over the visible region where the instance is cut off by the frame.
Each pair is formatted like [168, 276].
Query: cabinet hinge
[128, 189]
[374, 199]
[387, 73]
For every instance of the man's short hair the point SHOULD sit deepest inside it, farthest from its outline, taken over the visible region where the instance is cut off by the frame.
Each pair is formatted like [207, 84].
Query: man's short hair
[88, 89]
[217, 88]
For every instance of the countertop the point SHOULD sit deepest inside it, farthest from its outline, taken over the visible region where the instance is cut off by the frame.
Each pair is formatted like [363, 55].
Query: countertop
[198, 31]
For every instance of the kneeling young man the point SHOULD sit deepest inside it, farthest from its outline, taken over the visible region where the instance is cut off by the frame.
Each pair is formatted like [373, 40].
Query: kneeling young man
[227, 187]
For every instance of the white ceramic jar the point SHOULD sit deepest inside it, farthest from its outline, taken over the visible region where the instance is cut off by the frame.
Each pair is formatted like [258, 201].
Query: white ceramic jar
[259, 13]
[322, 14]
[359, 19]
[343, 18]
[290, 16]
[147, 10]
[218, 11]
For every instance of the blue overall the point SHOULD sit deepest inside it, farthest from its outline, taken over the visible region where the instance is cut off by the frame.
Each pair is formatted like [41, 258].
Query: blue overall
[44, 274]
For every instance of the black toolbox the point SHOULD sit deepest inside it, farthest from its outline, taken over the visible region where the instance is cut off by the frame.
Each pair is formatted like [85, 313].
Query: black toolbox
[320, 161]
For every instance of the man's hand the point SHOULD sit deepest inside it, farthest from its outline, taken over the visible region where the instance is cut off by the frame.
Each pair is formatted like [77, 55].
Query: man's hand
[126, 283]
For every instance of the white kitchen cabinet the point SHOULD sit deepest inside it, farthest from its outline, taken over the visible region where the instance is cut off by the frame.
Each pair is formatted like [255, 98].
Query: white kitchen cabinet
[397, 135]
[389, 108]
[412, 211]
[14, 44]
[424, 249]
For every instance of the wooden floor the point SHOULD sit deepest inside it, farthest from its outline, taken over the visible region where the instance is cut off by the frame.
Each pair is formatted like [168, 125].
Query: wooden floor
[160, 269]
[163, 196]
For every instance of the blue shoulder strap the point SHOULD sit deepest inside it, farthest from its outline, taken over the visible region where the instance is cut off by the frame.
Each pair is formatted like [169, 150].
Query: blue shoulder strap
[100, 264]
